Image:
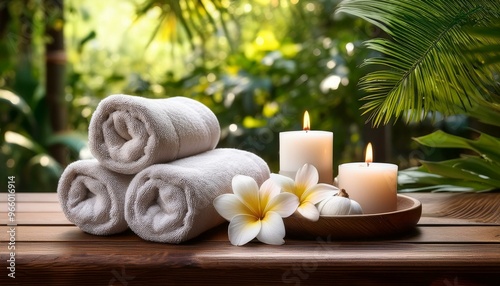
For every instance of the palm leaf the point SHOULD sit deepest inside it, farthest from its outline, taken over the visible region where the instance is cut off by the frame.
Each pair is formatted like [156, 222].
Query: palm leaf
[489, 50]
[191, 18]
[427, 60]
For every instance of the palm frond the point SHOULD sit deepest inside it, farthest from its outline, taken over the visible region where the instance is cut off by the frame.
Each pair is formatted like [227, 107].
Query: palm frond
[428, 61]
[489, 51]
[187, 18]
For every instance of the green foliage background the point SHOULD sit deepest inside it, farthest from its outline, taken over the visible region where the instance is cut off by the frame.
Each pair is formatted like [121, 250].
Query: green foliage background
[257, 64]
[260, 74]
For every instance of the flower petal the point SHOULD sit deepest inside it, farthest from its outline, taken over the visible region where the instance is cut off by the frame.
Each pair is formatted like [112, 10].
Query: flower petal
[319, 192]
[272, 230]
[243, 228]
[247, 190]
[309, 211]
[283, 204]
[229, 206]
[306, 176]
[268, 190]
[287, 184]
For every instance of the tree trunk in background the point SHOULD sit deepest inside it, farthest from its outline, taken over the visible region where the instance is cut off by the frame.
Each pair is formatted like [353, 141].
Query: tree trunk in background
[55, 74]
[4, 19]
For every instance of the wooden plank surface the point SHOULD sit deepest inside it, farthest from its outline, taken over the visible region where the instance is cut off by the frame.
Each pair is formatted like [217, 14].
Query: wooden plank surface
[199, 262]
[31, 197]
[456, 242]
[36, 218]
[462, 208]
[257, 255]
[422, 234]
[32, 202]
[437, 209]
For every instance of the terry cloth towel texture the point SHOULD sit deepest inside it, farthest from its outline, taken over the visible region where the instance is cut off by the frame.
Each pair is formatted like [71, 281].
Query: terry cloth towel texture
[173, 202]
[93, 197]
[129, 133]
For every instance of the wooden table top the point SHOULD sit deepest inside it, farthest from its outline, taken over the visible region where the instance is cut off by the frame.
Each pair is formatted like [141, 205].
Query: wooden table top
[456, 242]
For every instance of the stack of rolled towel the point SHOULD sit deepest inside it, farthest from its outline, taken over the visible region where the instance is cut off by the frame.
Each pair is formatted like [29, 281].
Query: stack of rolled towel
[156, 170]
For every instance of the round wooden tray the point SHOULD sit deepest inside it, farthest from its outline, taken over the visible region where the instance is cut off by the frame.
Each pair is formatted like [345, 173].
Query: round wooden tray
[403, 219]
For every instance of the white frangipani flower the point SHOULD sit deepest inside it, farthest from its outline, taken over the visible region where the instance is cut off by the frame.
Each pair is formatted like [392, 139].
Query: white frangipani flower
[254, 212]
[307, 189]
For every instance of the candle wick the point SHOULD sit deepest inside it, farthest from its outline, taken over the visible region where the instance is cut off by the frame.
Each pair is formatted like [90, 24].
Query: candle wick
[367, 164]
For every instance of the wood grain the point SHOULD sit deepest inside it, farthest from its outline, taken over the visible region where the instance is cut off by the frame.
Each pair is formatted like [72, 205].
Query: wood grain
[257, 255]
[422, 234]
[37, 218]
[33, 207]
[32, 197]
[456, 242]
[484, 209]
[459, 208]
[257, 262]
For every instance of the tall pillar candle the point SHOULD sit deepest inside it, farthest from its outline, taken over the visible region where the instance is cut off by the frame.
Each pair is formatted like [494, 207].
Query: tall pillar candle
[307, 146]
[372, 185]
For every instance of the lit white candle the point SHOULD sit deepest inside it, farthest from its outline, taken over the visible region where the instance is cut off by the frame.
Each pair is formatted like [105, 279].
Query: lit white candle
[307, 146]
[372, 185]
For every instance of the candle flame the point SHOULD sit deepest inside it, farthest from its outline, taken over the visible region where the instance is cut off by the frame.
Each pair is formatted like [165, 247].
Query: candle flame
[369, 154]
[307, 121]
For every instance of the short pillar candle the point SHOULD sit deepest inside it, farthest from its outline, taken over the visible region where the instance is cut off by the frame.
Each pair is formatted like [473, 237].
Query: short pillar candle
[372, 185]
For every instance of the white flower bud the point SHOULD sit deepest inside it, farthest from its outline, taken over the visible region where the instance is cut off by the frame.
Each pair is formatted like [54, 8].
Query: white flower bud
[339, 204]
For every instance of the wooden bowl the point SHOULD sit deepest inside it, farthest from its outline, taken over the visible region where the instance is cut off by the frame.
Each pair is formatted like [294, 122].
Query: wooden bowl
[403, 219]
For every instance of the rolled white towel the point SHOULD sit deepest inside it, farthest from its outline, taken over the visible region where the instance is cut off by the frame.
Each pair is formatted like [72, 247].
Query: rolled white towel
[173, 202]
[129, 133]
[93, 197]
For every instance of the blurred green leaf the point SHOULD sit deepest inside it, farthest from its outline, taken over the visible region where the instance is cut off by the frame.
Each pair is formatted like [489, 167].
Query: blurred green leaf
[74, 140]
[17, 103]
[251, 122]
[23, 141]
[486, 112]
[43, 172]
[45, 160]
[91, 35]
